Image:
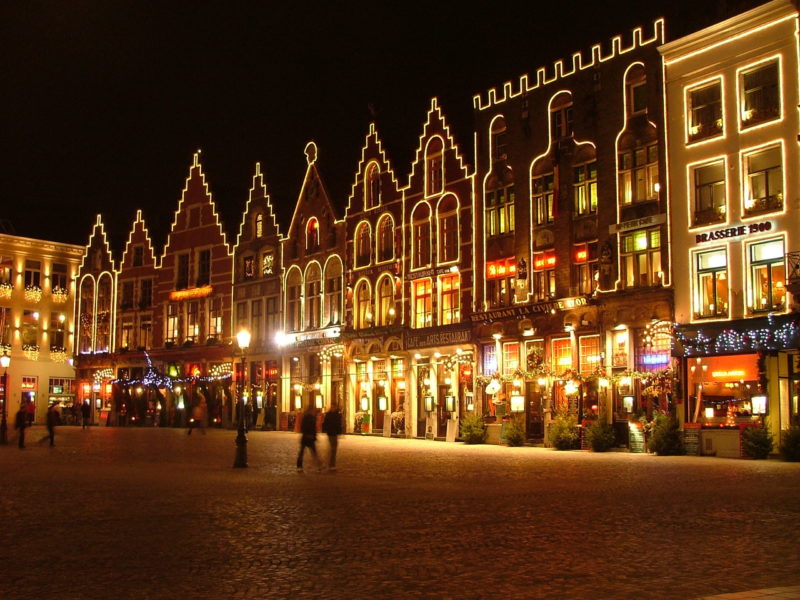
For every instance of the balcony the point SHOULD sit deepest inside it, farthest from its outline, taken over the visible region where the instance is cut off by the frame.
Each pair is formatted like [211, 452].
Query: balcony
[768, 204]
[33, 294]
[5, 291]
[709, 216]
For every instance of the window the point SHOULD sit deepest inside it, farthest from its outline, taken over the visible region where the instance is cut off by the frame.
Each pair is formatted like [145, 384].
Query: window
[312, 235]
[489, 359]
[29, 332]
[173, 323]
[764, 181]
[293, 314]
[709, 193]
[57, 329]
[499, 136]
[259, 225]
[333, 292]
[544, 275]
[500, 211]
[422, 236]
[241, 315]
[767, 276]
[372, 187]
[760, 99]
[434, 177]
[423, 303]
[500, 278]
[654, 349]
[33, 274]
[103, 333]
[588, 353]
[561, 119]
[449, 299]
[58, 279]
[145, 332]
[586, 267]
[363, 306]
[638, 174]
[641, 258]
[60, 385]
[145, 293]
[182, 272]
[256, 314]
[543, 198]
[192, 321]
[203, 267]
[385, 239]
[5, 326]
[561, 354]
[711, 284]
[584, 184]
[268, 263]
[705, 111]
[126, 299]
[249, 267]
[126, 334]
[138, 256]
[313, 297]
[637, 95]
[510, 358]
[386, 309]
[215, 318]
[619, 348]
[363, 246]
[273, 316]
[448, 229]
[6, 270]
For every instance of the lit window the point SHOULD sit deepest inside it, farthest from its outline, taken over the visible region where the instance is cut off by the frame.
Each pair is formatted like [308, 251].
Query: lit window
[259, 225]
[561, 354]
[544, 275]
[543, 198]
[709, 193]
[422, 236]
[760, 100]
[585, 188]
[363, 306]
[423, 303]
[589, 354]
[312, 235]
[500, 211]
[386, 304]
[705, 111]
[767, 276]
[449, 299]
[764, 181]
[641, 258]
[500, 278]
[619, 348]
[333, 292]
[313, 298]
[711, 284]
[293, 292]
[510, 358]
[586, 267]
[638, 174]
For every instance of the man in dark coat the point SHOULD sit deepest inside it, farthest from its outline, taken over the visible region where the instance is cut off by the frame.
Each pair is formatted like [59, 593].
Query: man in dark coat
[86, 414]
[53, 419]
[308, 437]
[21, 422]
[332, 426]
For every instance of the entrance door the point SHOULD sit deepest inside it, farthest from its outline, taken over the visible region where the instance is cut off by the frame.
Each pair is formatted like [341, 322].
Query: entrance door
[377, 411]
[441, 412]
[533, 412]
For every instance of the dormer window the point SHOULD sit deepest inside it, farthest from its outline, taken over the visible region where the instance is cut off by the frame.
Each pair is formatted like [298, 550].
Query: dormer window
[312, 235]
[434, 176]
[372, 187]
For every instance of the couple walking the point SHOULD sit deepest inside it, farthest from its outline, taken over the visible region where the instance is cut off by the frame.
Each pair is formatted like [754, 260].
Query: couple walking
[331, 425]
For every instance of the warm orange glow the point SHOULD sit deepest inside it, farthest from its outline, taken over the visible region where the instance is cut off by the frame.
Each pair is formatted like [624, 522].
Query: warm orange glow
[580, 256]
[199, 292]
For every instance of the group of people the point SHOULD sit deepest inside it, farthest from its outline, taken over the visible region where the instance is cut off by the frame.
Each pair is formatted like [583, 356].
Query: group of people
[23, 419]
[331, 426]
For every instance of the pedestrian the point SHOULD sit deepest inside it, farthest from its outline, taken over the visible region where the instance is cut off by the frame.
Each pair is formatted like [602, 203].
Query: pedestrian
[308, 437]
[199, 415]
[53, 419]
[20, 423]
[332, 426]
[86, 414]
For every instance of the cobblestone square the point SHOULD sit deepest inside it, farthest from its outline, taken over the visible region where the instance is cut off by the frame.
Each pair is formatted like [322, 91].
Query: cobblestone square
[155, 513]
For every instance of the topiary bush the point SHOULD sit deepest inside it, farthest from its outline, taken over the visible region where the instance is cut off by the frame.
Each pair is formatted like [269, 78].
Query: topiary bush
[515, 431]
[757, 442]
[473, 430]
[790, 444]
[600, 436]
[666, 438]
[563, 432]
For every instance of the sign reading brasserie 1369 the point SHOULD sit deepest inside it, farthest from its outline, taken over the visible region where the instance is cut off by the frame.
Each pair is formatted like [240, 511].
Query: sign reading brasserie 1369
[729, 232]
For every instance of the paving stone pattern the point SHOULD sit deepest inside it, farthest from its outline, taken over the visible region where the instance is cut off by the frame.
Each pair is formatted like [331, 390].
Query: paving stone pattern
[155, 513]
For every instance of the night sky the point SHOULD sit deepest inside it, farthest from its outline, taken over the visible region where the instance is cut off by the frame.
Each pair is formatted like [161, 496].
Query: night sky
[105, 101]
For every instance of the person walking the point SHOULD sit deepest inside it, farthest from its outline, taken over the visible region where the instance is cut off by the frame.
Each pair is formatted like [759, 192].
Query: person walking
[332, 426]
[86, 414]
[53, 419]
[308, 437]
[20, 423]
[199, 416]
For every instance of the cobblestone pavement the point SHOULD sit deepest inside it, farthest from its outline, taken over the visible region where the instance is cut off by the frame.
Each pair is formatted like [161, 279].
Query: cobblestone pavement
[155, 513]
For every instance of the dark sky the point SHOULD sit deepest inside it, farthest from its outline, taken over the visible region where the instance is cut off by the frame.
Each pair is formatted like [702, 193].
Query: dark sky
[106, 100]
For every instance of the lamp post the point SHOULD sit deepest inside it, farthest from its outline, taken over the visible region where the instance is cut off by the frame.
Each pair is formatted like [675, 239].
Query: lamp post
[5, 360]
[243, 340]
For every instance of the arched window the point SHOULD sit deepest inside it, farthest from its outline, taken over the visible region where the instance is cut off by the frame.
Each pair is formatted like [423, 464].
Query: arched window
[561, 116]
[421, 220]
[434, 170]
[259, 225]
[333, 291]
[447, 220]
[372, 187]
[362, 317]
[636, 90]
[363, 246]
[499, 139]
[86, 318]
[103, 315]
[293, 302]
[313, 296]
[385, 301]
[385, 239]
[312, 235]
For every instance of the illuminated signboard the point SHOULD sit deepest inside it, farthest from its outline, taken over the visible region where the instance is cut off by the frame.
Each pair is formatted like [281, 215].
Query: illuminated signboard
[198, 292]
[729, 232]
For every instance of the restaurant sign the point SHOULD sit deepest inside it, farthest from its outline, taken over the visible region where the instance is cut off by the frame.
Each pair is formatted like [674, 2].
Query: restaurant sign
[513, 312]
[437, 338]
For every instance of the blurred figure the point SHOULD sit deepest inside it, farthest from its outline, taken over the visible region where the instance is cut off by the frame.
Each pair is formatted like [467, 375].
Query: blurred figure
[53, 419]
[332, 426]
[199, 415]
[21, 422]
[308, 437]
[86, 414]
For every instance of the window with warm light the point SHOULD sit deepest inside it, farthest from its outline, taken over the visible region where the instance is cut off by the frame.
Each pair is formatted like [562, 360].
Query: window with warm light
[704, 111]
[333, 292]
[362, 306]
[767, 275]
[588, 353]
[313, 297]
[385, 239]
[760, 94]
[500, 211]
[561, 354]
[500, 279]
[421, 223]
[447, 222]
[192, 321]
[619, 348]
[145, 337]
[763, 183]
[638, 174]
[510, 358]
[584, 186]
[544, 275]
[104, 320]
[215, 329]
[585, 265]
[711, 284]
[312, 235]
[449, 299]
[386, 304]
[423, 303]
[543, 198]
[259, 225]
[173, 323]
[709, 193]
[641, 258]
[86, 315]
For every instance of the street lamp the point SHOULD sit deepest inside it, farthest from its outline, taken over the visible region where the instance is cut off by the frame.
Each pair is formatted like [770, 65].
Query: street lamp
[243, 340]
[5, 360]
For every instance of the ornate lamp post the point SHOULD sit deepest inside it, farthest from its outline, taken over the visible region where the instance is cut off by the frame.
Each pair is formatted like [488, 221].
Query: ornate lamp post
[243, 340]
[5, 360]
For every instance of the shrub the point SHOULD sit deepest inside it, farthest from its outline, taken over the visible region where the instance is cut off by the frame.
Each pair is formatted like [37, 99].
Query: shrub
[790, 444]
[600, 436]
[473, 431]
[515, 432]
[563, 432]
[666, 438]
[757, 442]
